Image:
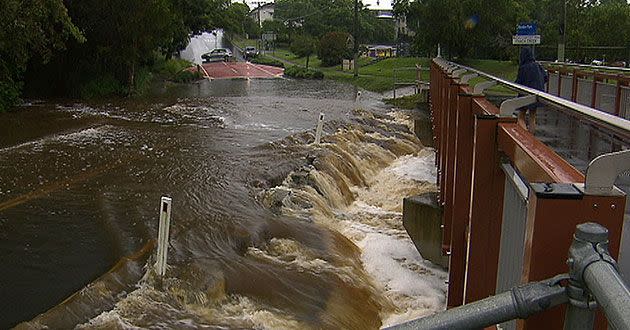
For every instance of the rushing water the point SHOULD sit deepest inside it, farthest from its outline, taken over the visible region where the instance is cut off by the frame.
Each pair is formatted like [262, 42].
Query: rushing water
[268, 230]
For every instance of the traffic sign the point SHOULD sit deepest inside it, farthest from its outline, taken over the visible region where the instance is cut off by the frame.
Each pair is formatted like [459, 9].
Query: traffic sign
[526, 39]
[527, 29]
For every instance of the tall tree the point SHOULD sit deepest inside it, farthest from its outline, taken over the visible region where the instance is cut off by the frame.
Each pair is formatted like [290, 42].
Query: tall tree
[318, 17]
[29, 30]
[304, 46]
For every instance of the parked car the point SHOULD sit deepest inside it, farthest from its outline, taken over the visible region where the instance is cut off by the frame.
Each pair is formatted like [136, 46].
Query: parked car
[217, 54]
[619, 64]
[250, 51]
[597, 62]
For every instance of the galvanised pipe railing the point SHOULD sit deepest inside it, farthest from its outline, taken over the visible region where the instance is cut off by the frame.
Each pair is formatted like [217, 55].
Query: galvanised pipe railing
[593, 274]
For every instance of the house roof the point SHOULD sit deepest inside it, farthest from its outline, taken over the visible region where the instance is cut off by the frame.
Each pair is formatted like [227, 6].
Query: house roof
[253, 5]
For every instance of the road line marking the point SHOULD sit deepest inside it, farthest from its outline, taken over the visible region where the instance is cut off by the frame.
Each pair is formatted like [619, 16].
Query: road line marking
[205, 72]
[267, 72]
[56, 186]
[231, 68]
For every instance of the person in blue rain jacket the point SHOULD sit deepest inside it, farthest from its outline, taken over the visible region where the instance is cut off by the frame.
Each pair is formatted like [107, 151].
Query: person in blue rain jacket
[533, 75]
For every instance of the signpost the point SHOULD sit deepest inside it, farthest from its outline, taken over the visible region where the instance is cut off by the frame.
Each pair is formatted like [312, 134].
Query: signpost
[269, 40]
[526, 34]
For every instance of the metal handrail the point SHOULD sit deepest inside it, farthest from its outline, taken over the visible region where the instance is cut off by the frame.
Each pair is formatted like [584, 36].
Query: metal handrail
[596, 67]
[592, 274]
[593, 114]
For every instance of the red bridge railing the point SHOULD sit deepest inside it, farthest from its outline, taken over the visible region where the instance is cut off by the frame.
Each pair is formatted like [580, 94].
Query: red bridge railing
[510, 202]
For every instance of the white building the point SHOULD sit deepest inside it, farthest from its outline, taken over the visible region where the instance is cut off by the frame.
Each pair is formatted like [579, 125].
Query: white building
[252, 4]
[262, 12]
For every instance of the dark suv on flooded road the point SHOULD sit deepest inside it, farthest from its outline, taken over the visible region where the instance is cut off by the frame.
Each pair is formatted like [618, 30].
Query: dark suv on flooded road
[249, 52]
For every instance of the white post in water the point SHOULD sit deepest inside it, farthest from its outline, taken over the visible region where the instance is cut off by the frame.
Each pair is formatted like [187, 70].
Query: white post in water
[320, 126]
[439, 51]
[165, 220]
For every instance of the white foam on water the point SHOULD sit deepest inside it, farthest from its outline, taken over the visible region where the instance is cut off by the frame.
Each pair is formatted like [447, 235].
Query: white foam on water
[85, 136]
[418, 168]
[415, 286]
[243, 312]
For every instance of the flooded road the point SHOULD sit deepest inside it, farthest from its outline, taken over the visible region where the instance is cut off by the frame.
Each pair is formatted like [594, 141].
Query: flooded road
[268, 230]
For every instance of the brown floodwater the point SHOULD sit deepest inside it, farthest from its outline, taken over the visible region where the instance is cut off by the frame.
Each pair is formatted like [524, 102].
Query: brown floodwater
[80, 185]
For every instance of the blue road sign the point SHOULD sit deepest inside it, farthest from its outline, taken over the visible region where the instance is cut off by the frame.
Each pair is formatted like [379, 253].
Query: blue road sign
[527, 29]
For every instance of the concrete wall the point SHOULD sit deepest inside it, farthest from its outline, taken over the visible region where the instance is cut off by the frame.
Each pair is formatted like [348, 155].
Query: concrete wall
[422, 126]
[422, 218]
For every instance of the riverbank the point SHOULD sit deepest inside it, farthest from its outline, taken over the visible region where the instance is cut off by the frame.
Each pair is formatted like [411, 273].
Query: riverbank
[374, 75]
[378, 75]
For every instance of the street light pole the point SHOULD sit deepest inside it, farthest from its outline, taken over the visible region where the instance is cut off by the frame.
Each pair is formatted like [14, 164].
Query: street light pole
[356, 39]
[563, 33]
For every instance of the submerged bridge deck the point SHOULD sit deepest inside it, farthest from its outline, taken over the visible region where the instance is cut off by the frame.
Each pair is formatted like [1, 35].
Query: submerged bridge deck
[242, 70]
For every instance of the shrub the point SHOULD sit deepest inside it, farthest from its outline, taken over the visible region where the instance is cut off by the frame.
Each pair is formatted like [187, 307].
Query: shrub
[303, 73]
[9, 94]
[100, 86]
[185, 76]
[170, 67]
[265, 60]
[333, 48]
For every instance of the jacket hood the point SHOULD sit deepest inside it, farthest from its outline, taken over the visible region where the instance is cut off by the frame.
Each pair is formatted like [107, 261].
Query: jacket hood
[526, 55]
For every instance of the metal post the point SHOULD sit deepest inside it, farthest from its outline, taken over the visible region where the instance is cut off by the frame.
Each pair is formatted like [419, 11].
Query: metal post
[320, 126]
[520, 302]
[165, 220]
[611, 293]
[563, 33]
[395, 78]
[593, 272]
[355, 35]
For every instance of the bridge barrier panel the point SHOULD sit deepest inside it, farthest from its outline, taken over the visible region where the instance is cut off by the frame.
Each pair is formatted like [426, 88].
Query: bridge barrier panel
[605, 97]
[584, 92]
[504, 191]
[566, 90]
[513, 225]
[625, 103]
[607, 87]
[552, 85]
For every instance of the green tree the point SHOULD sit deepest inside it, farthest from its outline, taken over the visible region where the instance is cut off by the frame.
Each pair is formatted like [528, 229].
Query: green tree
[232, 21]
[318, 17]
[333, 48]
[304, 46]
[29, 31]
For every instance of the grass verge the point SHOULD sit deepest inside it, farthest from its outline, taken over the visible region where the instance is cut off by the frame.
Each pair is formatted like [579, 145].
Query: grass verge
[407, 102]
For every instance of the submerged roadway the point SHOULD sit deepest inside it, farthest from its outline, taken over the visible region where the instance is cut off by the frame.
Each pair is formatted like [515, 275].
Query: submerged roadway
[231, 70]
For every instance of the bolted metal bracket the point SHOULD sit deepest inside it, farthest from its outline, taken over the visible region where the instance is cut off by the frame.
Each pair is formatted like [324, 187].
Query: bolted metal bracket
[466, 78]
[590, 244]
[603, 171]
[458, 73]
[482, 86]
[509, 106]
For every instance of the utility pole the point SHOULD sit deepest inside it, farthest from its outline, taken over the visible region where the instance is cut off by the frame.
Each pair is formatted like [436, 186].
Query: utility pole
[260, 43]
[563, 33]
[355, 30]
